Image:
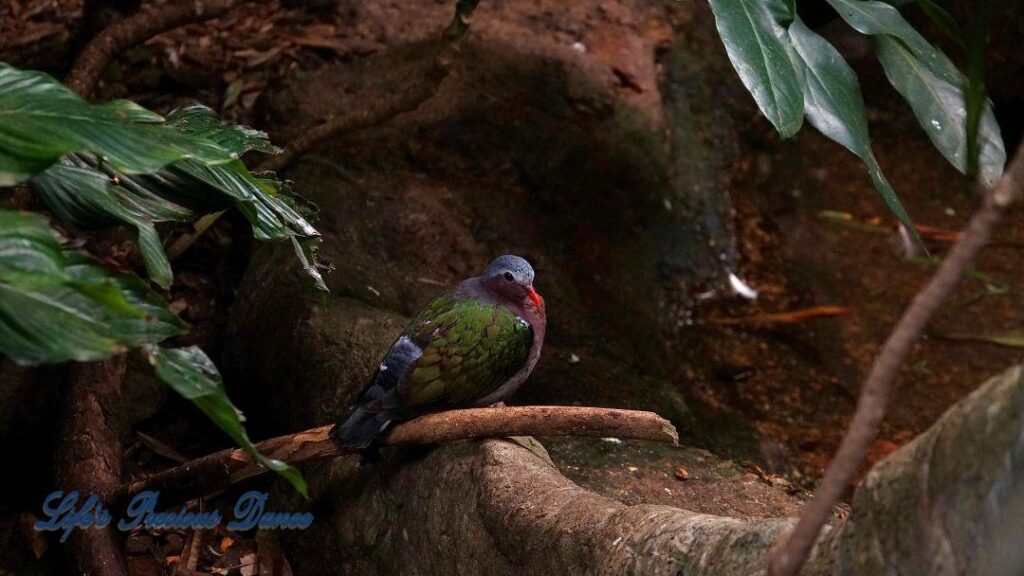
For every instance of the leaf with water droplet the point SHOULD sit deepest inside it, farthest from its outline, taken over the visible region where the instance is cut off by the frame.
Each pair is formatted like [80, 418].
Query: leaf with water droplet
[756, 44]
[834, 105]
[930, 83]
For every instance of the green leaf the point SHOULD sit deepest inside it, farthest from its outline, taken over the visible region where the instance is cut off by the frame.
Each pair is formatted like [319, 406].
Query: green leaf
[271, 217]
[939, 107]
[760, 52]
[85, 197]
[193, 375]
[873, 18]
[834, 105]
[85, 193]
[832, 98]
[930, 83]
[41, 120]
[57, 305]
[201, 121]
[29, 250]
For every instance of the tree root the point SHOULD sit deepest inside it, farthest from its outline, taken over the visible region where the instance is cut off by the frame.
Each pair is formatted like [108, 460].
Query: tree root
[90, 456]
[134, 30]
[939, 505]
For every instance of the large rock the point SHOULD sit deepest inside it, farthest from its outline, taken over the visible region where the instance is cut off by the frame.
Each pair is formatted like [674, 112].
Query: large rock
[600, 160]
[598, 152]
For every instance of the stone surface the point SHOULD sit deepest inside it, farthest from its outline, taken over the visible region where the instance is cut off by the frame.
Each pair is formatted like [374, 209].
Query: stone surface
[602, 165]
[533, 146]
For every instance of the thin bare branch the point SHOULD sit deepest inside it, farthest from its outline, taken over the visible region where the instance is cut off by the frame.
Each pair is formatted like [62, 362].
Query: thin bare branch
[221, 469]
[792, 549]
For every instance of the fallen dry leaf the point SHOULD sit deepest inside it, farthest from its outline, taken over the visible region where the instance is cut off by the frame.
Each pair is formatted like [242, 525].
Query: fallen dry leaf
[791, 317]
[226, 543]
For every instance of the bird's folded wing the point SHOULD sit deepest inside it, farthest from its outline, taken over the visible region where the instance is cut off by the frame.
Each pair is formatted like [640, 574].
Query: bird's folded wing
[470, 348]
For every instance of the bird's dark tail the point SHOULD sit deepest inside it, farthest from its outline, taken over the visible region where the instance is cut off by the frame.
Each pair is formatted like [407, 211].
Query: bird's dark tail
[360, 429]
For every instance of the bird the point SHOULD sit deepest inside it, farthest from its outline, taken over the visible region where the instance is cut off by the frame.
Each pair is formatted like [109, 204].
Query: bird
[472, 346]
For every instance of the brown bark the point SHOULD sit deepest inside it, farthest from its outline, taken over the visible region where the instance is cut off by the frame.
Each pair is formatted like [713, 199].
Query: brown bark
[793, 548]
[136, 29]
[221, 469]
[89, 456]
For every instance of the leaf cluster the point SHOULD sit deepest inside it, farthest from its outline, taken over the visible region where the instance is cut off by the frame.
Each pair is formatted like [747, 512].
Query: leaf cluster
[794, 73]
[119, 164]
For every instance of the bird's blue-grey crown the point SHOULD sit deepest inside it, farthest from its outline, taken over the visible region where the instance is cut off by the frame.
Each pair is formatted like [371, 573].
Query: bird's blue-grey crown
[519, 268]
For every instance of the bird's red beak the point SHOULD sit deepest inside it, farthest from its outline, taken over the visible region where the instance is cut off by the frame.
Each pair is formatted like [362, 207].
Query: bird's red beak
[535, 298]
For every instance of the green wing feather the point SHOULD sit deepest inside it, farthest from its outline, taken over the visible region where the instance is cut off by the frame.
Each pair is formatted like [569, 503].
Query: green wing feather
[470, 348]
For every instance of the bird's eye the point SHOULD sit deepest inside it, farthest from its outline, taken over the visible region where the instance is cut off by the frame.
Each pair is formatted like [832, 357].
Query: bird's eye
[509, 276]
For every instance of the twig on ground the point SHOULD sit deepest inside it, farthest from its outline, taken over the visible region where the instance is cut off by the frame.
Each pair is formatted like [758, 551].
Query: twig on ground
[136, 29]
[791, 317]
[792, 549]
[221, 469]
[89, 456]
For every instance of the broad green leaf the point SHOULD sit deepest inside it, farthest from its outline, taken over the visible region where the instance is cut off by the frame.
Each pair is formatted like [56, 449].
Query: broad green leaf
[834, 105]
[271, 209]
[760, 52]
[939, 107]
[30, 251]
[57, 305]
[832, 98]
[930, 83]
[87, 198]
[193, 375]
[257, 198]
[86, 193]
[41, 120]
[873, 18]
[199, 120]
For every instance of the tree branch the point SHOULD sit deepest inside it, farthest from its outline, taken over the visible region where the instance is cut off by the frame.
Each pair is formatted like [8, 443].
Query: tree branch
[792, 548]
[221, 469]
[136, 29]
